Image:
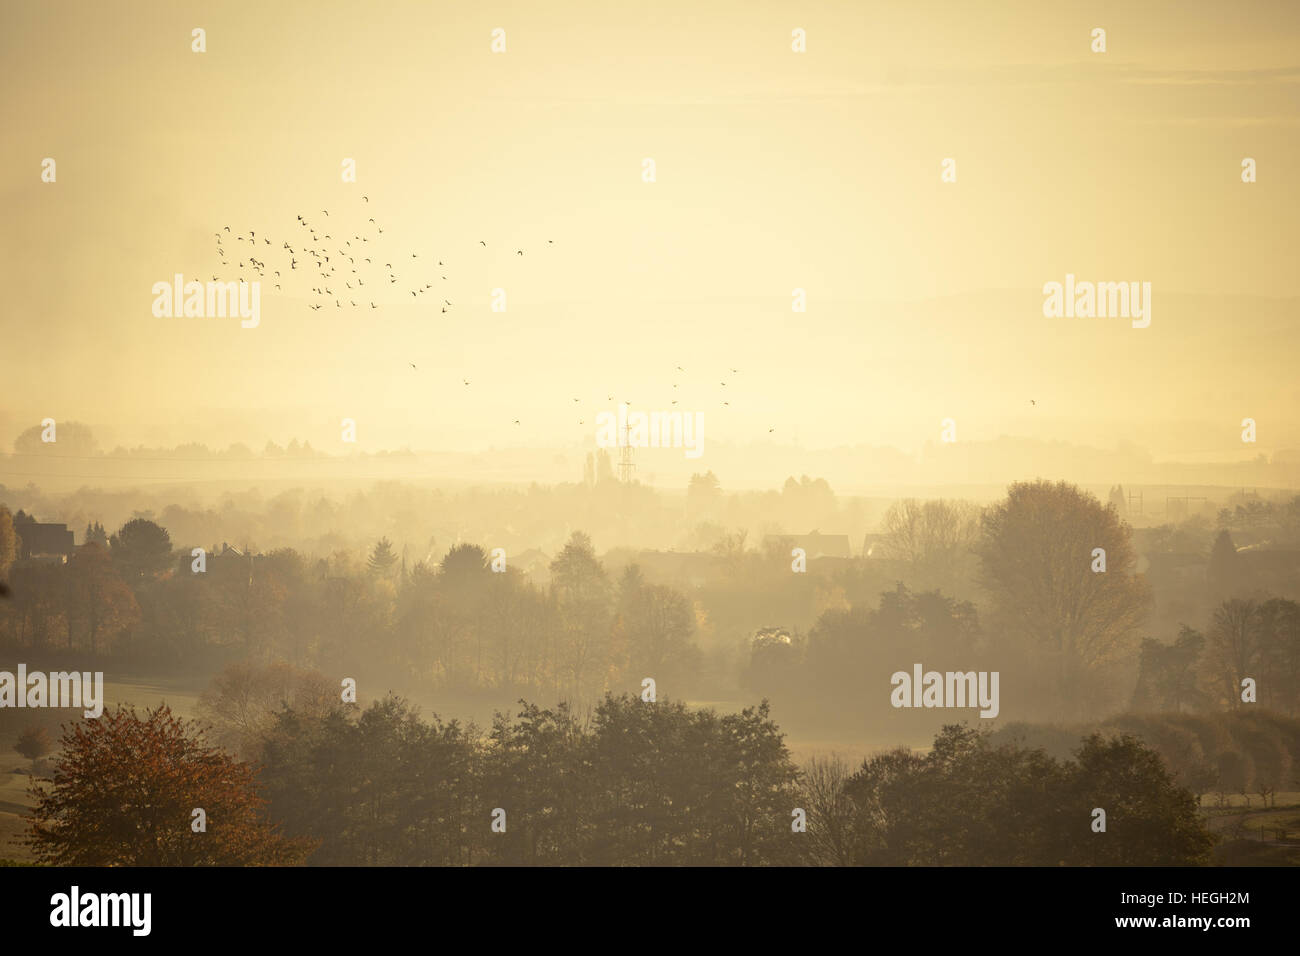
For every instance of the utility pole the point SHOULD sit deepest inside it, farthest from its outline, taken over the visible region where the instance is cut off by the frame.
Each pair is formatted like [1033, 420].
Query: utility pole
[625, 463]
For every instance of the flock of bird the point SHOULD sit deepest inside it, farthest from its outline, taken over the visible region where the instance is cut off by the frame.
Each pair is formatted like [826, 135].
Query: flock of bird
[346, 269]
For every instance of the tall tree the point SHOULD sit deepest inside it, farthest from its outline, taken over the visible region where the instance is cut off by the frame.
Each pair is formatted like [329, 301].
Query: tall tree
[1233, 650]
[99, 601]
[382, 558]
[1167, 673]
[9, 541]
[1223, 573]
[141, 549]
[583, 598]
[1038, 560]
[1280, 655]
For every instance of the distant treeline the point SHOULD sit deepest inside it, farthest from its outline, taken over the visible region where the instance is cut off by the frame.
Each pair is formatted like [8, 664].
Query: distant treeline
[1059, 610]
[1247, 753]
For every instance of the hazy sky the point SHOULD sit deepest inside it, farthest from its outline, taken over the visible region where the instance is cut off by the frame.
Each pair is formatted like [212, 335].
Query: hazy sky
[775, 170]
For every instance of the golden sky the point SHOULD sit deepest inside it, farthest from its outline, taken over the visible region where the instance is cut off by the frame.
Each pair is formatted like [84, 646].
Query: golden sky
[775, 170]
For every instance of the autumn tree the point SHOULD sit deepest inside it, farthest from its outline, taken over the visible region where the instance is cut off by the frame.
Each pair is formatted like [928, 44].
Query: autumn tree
[1040, 563]
[124, 793]
[98, 599]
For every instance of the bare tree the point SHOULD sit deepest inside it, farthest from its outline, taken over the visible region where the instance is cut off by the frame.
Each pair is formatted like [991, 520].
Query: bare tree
[931, 538]
[831, 811]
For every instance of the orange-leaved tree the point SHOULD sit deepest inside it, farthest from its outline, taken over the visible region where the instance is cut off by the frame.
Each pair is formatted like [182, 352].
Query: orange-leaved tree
[125, 791]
